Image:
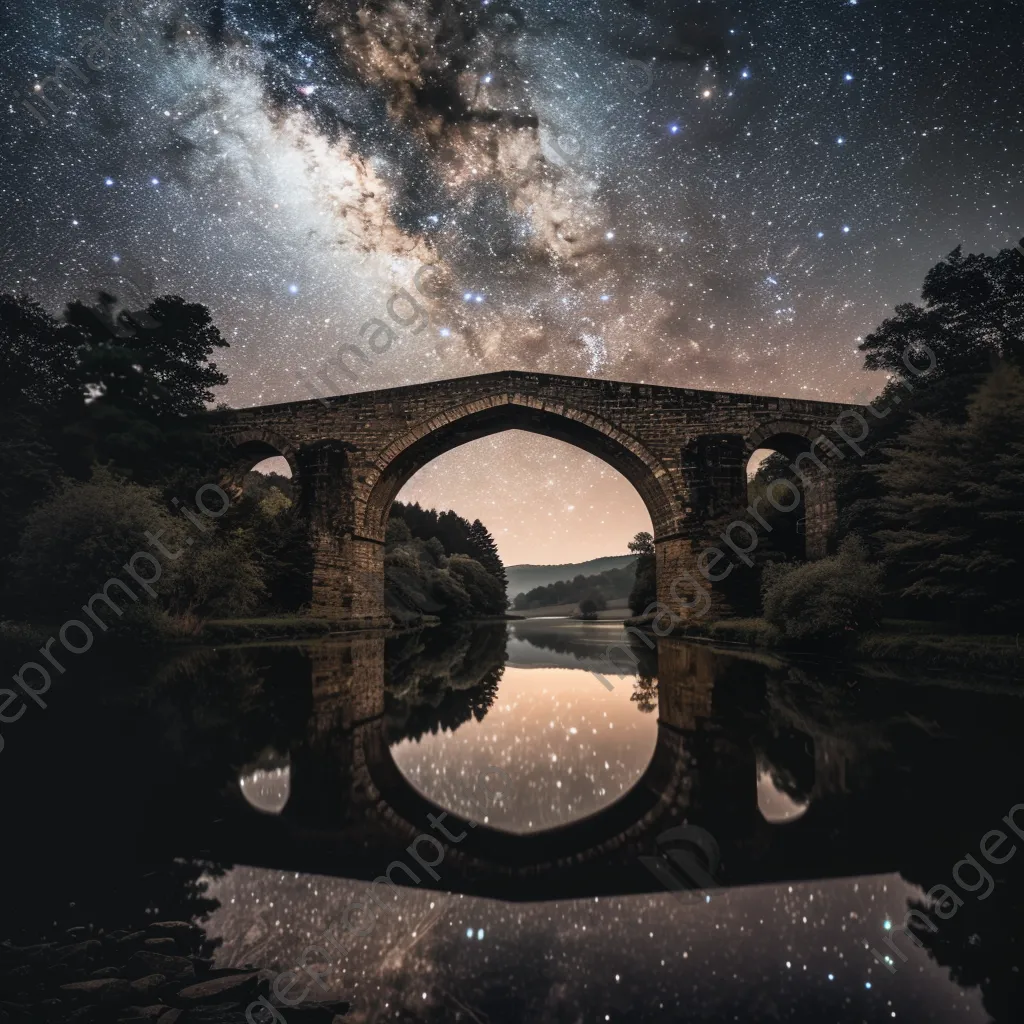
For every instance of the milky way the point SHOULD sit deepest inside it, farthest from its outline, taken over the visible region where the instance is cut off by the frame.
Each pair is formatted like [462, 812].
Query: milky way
[719, 195]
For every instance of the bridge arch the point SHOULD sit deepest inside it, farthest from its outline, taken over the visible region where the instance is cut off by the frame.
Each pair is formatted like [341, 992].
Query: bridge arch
[807, 448]
[247, 448]
[470, 421]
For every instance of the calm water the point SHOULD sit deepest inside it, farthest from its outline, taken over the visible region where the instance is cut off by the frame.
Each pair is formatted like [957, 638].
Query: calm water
[720, 836]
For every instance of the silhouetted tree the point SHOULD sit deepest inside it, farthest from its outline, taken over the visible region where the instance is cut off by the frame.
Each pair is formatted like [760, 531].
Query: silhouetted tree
[645, 589]
[485, 551]
[954, 509]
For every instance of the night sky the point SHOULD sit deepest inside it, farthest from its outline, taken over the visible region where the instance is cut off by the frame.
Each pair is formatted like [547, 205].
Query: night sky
[713, 195]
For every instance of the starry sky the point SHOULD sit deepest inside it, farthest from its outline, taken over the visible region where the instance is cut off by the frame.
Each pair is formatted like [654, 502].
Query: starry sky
[715, 195]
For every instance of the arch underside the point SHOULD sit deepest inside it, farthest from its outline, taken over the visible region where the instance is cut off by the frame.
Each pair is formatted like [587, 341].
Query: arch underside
[407, 456]
[789, 437]
[250, 448]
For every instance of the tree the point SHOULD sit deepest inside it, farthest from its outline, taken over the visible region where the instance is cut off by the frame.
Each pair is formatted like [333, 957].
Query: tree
[156, 361]
[593, 603]
[953, 509]
[641, 544]
[485, 551]
[645, 590]
[973, 313]
[148, 376]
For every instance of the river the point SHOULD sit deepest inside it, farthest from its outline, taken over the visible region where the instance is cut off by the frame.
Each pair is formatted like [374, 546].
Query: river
[721, 835]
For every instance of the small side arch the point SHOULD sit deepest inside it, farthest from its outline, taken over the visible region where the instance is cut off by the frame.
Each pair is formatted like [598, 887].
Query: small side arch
[247, 448]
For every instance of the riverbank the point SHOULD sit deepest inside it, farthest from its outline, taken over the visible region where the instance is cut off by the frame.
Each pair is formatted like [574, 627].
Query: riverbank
[896, 640]
[163, 971]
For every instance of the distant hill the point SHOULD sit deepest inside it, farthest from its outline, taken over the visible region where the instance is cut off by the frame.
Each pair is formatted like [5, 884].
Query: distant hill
[525, 577]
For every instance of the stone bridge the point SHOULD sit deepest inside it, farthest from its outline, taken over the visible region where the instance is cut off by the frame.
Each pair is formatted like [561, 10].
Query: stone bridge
[685, 451]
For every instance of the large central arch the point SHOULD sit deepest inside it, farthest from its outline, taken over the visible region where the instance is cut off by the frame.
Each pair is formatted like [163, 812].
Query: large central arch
[471, 421]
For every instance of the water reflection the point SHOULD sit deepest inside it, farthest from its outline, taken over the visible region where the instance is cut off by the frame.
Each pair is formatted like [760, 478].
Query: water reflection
[774, 803]
[313, 768]
[570, 746]
[267, 783]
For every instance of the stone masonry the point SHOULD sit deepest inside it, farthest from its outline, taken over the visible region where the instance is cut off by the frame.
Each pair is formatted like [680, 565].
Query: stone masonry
[684, 450]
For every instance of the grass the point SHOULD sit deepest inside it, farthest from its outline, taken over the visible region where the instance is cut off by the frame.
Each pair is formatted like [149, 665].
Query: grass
[270, 627]
[926, 644]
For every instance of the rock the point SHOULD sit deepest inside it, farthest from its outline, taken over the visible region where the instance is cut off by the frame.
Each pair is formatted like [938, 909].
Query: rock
[40, 952]
[237, 986]
[80, 953]
[16, 978]
[104, 990]
[170, 1017]
[174, 968]
[181, 931]
[132, 940]
[163, 944]
[310, 1013]
[148, 985]
[221, 1013]
[84, 1015]
[106, 972]
[142, 1014]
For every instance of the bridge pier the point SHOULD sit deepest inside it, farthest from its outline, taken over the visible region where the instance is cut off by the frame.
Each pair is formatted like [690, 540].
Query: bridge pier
[348, 570]
[348, 580]
[681, 586]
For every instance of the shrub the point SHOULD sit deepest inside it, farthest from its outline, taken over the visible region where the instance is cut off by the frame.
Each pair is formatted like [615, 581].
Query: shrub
[81, 537]
[824, 600]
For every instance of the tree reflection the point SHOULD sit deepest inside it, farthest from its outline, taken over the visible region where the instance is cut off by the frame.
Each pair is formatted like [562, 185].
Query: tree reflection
[438, 679]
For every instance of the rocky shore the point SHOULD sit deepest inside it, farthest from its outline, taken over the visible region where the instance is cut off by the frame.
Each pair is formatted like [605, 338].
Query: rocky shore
[160, 974]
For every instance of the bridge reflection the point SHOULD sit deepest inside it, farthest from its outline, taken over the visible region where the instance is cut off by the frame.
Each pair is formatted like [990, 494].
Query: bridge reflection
[779, 767]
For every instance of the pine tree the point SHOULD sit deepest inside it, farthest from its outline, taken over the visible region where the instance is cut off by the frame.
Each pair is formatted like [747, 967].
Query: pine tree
[485, 551]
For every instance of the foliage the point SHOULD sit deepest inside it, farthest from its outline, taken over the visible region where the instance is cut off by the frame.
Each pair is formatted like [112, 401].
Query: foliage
[972, 317]
[112, 387]
[641, 544]
[610, 585]
[278, 540]
[76, 541]
[954, 508]
[825, 600]
[437, 563]
[486, 593]
[457, 535]
[973, 313]
[592, 604]
[645, 589]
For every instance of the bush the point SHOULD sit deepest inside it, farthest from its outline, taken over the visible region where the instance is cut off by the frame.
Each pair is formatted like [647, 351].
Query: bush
[824, 600]
[73, 543]
[81, 537]
[218, 579]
